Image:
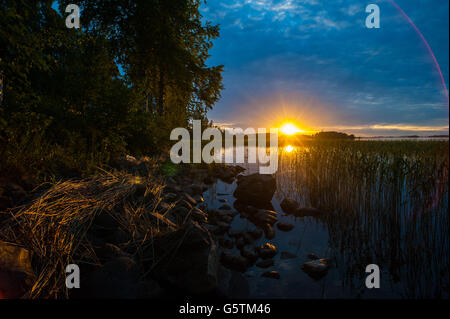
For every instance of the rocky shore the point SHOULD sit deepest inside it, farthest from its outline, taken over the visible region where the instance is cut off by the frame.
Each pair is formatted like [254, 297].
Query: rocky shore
[138, 233]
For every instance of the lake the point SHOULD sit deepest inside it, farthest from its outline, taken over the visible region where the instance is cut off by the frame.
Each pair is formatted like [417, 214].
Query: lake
[386, 203]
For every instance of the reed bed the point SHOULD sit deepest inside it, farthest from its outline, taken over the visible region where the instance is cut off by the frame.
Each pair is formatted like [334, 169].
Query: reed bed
[386, 203]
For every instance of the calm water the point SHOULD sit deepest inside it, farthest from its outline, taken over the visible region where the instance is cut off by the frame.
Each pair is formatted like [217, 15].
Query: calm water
[352, 240]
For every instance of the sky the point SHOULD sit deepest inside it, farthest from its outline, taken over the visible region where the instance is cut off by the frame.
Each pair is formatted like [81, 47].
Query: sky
[316, 64]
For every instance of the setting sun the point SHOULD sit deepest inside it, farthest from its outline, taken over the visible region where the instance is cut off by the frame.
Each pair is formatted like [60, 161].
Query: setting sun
[290, 129]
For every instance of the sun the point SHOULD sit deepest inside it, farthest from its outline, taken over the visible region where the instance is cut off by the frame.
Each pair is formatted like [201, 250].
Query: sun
[290, 129]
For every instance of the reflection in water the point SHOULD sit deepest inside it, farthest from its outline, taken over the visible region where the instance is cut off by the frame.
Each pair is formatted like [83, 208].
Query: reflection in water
[386, 203]
[289, 148]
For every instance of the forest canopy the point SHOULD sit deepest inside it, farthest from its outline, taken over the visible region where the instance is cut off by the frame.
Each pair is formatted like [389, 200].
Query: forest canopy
[74, 99]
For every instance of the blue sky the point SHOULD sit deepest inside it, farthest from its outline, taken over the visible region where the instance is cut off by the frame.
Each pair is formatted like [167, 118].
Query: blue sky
[315, 63]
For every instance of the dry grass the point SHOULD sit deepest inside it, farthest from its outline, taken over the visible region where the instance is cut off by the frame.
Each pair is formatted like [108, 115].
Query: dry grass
[55, 226]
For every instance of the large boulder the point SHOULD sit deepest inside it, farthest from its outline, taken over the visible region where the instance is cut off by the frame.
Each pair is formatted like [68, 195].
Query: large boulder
[192, 263]
[255, 189]
[16, 273]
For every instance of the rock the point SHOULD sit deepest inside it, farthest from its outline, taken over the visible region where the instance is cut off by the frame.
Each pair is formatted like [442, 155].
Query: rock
[271, 274]
[199, 199]
[234, 262]
[110, 251]
[255, 233]
[265, 263]
[16, 272]
[316, 269]
[268, 231]
[226, 243]
[116, 279]
[267, 251]
[312, 256]
[255, 189]
[289, 206]
[233, 284]
[308, 211]
[193, 263]
[248, 238]
[106, 220]
[198, 215]
[225, 207]
[221, 200]
[283, 226]
[240, 242]
[249, 254]
[287, 255]
[139, 190]
[149, 289]
[236, 233]
[226, 218]
[265, 217]
[223, 226]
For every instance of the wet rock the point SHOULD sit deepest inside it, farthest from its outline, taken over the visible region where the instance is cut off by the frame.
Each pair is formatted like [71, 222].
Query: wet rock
[198, 215]
[224, 226]
[316, 269]
[267, 251]
[255, 233]
[225, 207]
[226, 243]
[221, 200]
[249, 254]
[287, 255]
[265, 217]
[16, 272]
[192, 265]
[312, 256]
[265, 263]
[255, 189]
[233, 284]
[226, 218]
[240, 242]
[289, 206]
[199, 199]
[248, 238]
[269, 232]
[271, 274]
[284, 226]
[234, 262]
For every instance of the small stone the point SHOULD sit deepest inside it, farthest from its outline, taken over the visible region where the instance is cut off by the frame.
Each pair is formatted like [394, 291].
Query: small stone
[226, 243]
[225, 207]
[234, 262]
[268, 231]
[312, 256]
[267, 251]
[283, 226]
